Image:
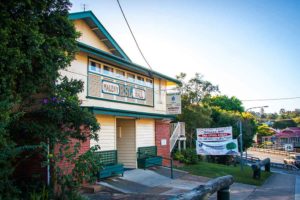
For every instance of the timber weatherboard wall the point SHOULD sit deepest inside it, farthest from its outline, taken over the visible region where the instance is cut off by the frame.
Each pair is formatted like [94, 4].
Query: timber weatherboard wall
[79, 69]
[89, 37]
[107, 133]
[145, 132]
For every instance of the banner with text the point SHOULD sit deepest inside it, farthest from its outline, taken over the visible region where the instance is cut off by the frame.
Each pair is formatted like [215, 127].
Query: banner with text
[229, 147]
[214, 134]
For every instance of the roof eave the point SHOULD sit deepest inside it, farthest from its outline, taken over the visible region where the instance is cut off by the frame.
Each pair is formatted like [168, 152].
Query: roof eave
[99, 53]
[90, 14]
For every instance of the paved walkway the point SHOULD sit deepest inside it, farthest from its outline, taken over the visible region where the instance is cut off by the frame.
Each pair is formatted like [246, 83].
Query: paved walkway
[147, 184]
[277, 187]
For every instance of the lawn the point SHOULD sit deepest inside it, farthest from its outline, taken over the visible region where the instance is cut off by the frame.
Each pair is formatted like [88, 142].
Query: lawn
[213, 170]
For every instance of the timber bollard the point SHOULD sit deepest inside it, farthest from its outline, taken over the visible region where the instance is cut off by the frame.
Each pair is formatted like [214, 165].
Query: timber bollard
[256, 167]
[203, 192]
[223, 194]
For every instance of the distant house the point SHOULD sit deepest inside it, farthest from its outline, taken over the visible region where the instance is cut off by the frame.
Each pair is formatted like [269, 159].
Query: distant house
[289, 136]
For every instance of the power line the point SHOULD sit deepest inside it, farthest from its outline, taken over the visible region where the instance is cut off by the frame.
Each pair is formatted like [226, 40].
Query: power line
[274, 99]
[133, 36]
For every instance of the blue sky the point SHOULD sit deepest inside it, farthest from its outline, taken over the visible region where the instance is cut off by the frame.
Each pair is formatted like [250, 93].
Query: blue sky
[250, 48]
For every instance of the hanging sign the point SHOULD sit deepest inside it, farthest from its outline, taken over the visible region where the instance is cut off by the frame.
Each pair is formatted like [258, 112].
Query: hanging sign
[174, 104]
[214, 134]
[229, 147]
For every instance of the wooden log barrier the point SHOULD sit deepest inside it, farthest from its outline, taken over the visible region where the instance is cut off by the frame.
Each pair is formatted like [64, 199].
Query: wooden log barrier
[220, 185]
[257, 167]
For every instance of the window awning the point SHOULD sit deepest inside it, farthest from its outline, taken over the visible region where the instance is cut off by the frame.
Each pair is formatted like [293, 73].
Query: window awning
[127, 113]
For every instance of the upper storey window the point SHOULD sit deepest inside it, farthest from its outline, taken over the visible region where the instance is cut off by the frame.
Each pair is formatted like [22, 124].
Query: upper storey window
[117, 73]
[120, 74]
[108, 70]
[130, 77]
[140, 80]
[94, 67]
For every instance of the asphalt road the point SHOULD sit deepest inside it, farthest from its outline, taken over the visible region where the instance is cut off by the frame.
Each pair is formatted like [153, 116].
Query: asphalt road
[261, 155]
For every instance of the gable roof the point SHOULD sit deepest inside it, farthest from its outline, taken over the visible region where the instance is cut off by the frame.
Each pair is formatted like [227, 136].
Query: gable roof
[103, 35]
[118, 55]
[128, 64]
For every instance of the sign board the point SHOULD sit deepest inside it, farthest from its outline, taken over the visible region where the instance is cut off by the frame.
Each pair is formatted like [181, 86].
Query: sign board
[288, 147]
[229, 147]
[110, 88]
[163, 142]
[214, 134]
[173, 104]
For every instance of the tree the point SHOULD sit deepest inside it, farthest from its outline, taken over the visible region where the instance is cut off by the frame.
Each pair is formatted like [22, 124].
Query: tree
[194, 113]
[285, 123]
[226, 103]
[36, 41]
[265, 130]
[222, 118]
[196, 89]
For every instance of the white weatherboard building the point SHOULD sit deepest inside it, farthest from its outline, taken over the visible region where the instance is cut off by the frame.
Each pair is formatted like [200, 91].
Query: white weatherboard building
[128, 100]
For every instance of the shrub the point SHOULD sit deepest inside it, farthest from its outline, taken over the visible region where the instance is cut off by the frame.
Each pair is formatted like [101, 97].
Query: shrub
[190, 156]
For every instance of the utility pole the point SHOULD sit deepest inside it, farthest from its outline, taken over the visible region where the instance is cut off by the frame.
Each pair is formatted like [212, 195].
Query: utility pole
[241, 145]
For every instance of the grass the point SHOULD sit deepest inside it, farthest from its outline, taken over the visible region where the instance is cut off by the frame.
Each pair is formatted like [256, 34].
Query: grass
[213, 170]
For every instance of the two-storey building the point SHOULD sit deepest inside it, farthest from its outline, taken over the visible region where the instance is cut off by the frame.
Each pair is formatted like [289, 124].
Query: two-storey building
[128, 100]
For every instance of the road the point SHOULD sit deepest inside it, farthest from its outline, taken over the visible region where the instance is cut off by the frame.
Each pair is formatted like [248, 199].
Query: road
[261, 155]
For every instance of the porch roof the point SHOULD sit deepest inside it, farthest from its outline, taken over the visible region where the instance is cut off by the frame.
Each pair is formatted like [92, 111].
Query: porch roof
[127, 113]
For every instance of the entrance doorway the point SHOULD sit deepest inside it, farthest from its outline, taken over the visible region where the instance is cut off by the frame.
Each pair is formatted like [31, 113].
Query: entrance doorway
[126, 142]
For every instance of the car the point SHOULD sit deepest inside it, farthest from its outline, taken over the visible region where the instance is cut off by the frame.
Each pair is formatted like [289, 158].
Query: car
[293, 160]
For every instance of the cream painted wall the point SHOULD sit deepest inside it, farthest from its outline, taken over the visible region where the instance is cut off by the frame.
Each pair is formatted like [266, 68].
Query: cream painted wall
[88, 36]
[78, 70]
[107, 133]
[145, 132]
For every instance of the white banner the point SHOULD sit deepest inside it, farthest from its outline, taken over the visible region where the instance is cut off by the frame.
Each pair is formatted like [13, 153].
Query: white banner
[174, 104]
[217, 148]
[214, 134]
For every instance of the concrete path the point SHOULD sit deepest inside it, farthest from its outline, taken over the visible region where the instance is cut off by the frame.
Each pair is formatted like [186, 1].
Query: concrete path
[297, 188]
[277, 187]
[147, 184]
[156, 181]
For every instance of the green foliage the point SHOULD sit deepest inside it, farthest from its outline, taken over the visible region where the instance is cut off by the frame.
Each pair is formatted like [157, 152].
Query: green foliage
[265, 130]
[222, 118]
[178, 156]
[43, 195]
[224, 159]
[194, 113]
[213, 170]
[37, 106]
[201, 110]
[85, 168]
[187, 156]
[225, 103]
[282, 124]
[265, 144]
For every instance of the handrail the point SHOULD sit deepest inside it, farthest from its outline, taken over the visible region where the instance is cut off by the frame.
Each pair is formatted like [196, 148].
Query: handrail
[171, 165]
[174, 137]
